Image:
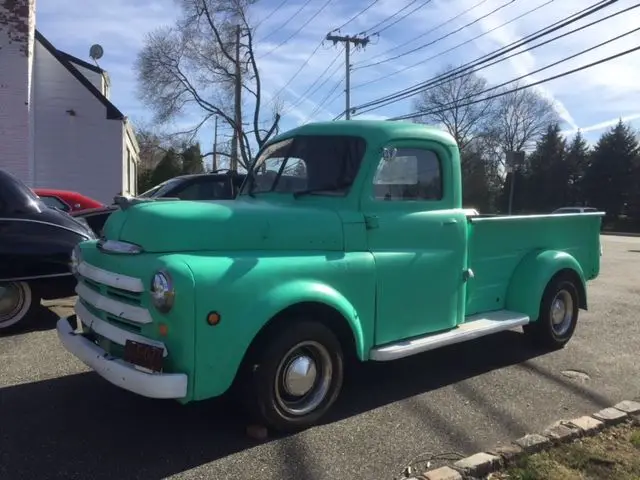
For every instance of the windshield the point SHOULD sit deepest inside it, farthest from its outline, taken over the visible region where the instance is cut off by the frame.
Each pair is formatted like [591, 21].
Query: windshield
[160, 189]
[319, 164]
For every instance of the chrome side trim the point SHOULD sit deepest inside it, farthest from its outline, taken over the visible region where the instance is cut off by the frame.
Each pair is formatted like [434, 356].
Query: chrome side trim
[111, 279]
[29, 220]
[112, 332]
[114, 307]
[35, 277]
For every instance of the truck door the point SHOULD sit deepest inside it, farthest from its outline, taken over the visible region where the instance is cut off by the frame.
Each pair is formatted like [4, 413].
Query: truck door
[418, 241]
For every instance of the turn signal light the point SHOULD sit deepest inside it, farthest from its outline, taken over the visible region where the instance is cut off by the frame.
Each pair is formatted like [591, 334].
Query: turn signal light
[163, 330]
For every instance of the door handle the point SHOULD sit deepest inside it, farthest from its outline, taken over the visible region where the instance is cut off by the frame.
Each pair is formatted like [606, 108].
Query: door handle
[449, 221]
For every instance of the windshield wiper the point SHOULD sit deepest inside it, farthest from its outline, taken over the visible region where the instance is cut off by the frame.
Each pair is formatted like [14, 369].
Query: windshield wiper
[327, 188]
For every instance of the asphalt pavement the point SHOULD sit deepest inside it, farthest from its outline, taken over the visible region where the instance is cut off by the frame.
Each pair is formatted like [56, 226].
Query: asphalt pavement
[58, 420]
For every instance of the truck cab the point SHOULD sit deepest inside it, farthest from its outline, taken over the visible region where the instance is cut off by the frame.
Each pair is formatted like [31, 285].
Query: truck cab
[348, 239]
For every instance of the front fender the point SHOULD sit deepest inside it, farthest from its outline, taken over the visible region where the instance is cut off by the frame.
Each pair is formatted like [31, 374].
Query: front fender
[294, 292]
[532, 275]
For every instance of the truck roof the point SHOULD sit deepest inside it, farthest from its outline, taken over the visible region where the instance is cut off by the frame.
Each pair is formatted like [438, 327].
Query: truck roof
[372, 130]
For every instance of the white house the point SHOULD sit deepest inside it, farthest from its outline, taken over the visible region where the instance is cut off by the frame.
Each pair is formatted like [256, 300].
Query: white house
[58, 128]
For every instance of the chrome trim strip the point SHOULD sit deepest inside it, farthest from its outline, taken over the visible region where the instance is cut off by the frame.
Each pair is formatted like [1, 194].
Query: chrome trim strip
[112, 332]
[28, 220]
[116, 280]
[114, 307]
[35, 277]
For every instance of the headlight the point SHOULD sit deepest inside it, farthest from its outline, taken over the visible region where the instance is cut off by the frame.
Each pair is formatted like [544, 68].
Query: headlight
[162, 293]
[76, 258]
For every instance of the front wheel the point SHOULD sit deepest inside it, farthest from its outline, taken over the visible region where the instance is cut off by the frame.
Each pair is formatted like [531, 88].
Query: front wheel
[17, 304]
[558, 314]
[295, 377]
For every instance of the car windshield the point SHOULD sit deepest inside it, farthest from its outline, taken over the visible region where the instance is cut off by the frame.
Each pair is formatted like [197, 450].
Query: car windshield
[160, 189]
[314, 164]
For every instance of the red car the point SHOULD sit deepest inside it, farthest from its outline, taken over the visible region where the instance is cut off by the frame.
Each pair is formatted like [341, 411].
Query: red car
[66, 200]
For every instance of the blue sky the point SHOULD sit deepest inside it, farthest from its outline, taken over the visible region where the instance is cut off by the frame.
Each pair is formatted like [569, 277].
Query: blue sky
[591, 100]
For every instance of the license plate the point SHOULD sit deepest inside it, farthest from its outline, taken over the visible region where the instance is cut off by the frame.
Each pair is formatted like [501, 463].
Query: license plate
[143, 355]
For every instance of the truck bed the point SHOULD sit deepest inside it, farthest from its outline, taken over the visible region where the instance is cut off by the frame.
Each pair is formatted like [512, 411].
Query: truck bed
[497, 244]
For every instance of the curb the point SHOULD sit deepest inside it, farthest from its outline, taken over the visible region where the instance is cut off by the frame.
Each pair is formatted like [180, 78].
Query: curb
[481, 464]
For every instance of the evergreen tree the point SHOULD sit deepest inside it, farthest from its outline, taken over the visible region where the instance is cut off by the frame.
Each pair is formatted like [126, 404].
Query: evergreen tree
[548, 172]
[192, 159]
[608, 182]
[577, 162]
[169, 167]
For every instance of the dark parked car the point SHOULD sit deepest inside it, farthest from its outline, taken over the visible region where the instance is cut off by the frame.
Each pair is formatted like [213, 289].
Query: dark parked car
[36, 242]
[204, 186]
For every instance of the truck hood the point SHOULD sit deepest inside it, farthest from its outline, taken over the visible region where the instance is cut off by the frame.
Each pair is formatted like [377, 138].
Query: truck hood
[225, 225]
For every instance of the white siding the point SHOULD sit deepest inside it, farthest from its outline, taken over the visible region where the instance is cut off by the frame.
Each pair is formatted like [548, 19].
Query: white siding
[17, 24]
[81, 152]
[130, 161]
[94, 77]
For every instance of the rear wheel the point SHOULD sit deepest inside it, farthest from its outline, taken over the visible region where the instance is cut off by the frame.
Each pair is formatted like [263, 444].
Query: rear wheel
[558, 314]
[18, 302]
[295, 376]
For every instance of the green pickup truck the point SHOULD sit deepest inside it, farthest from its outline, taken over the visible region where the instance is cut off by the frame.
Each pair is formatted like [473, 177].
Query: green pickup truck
[347, 240]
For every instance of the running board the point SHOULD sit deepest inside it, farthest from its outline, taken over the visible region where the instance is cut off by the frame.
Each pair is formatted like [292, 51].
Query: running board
[475, 326]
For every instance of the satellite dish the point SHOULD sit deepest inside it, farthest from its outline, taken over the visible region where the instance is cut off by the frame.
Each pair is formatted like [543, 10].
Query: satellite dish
[96, 51]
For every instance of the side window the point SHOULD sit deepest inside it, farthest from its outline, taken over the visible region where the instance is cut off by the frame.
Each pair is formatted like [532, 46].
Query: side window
[203, 190]
[55, 202]
[413, 174]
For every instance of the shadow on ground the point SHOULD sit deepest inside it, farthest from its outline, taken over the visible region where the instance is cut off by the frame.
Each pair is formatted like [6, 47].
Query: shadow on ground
[43, 319]
[80, 426]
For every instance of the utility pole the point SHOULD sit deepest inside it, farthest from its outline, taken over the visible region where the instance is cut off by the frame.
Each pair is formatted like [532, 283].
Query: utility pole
[514, 160]
[214, 162]
[237, 131]
[357, 41]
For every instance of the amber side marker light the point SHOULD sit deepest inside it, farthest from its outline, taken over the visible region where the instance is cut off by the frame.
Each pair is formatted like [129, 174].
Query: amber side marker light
[163, 330]
[213, 318]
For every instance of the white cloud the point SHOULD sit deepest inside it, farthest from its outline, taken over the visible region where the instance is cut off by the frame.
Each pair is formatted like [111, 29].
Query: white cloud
[587, 98]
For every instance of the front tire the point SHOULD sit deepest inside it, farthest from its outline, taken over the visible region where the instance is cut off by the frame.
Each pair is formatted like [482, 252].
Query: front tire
[295, 376]
[558, 316]
[18, 302]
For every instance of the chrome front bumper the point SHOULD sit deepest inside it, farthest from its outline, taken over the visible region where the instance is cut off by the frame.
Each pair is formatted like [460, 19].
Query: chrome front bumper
[120, 373]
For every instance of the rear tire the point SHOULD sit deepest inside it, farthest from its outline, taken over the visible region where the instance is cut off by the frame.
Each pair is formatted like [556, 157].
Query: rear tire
[558, 316]
[18, 304]
[294, 376]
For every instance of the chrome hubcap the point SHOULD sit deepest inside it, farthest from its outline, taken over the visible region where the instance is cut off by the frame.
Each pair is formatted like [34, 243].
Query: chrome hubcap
[562, 312]
[300, 376]
[303, 378]
[11, 299]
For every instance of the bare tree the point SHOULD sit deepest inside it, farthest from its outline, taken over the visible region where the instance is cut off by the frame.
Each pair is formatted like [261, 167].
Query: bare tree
[521, 118]
[447, 103]
[194, 64]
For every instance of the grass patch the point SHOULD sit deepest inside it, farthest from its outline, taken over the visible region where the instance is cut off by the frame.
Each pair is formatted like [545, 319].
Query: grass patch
[611, 455]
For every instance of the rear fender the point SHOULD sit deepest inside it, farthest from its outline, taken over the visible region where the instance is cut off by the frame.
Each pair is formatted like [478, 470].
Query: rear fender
[533, 274]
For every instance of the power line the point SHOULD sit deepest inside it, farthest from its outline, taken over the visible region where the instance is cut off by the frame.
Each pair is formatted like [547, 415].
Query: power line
[379, 62]
[286, 22]
[309, 92]
[323, 101]
[304, 64]
[271, 14]
[355, 16]
[455, 47]
[318, 12]
[517, 89]
[424, 34]
[438, 79]
[403, 17]
[388, 18]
